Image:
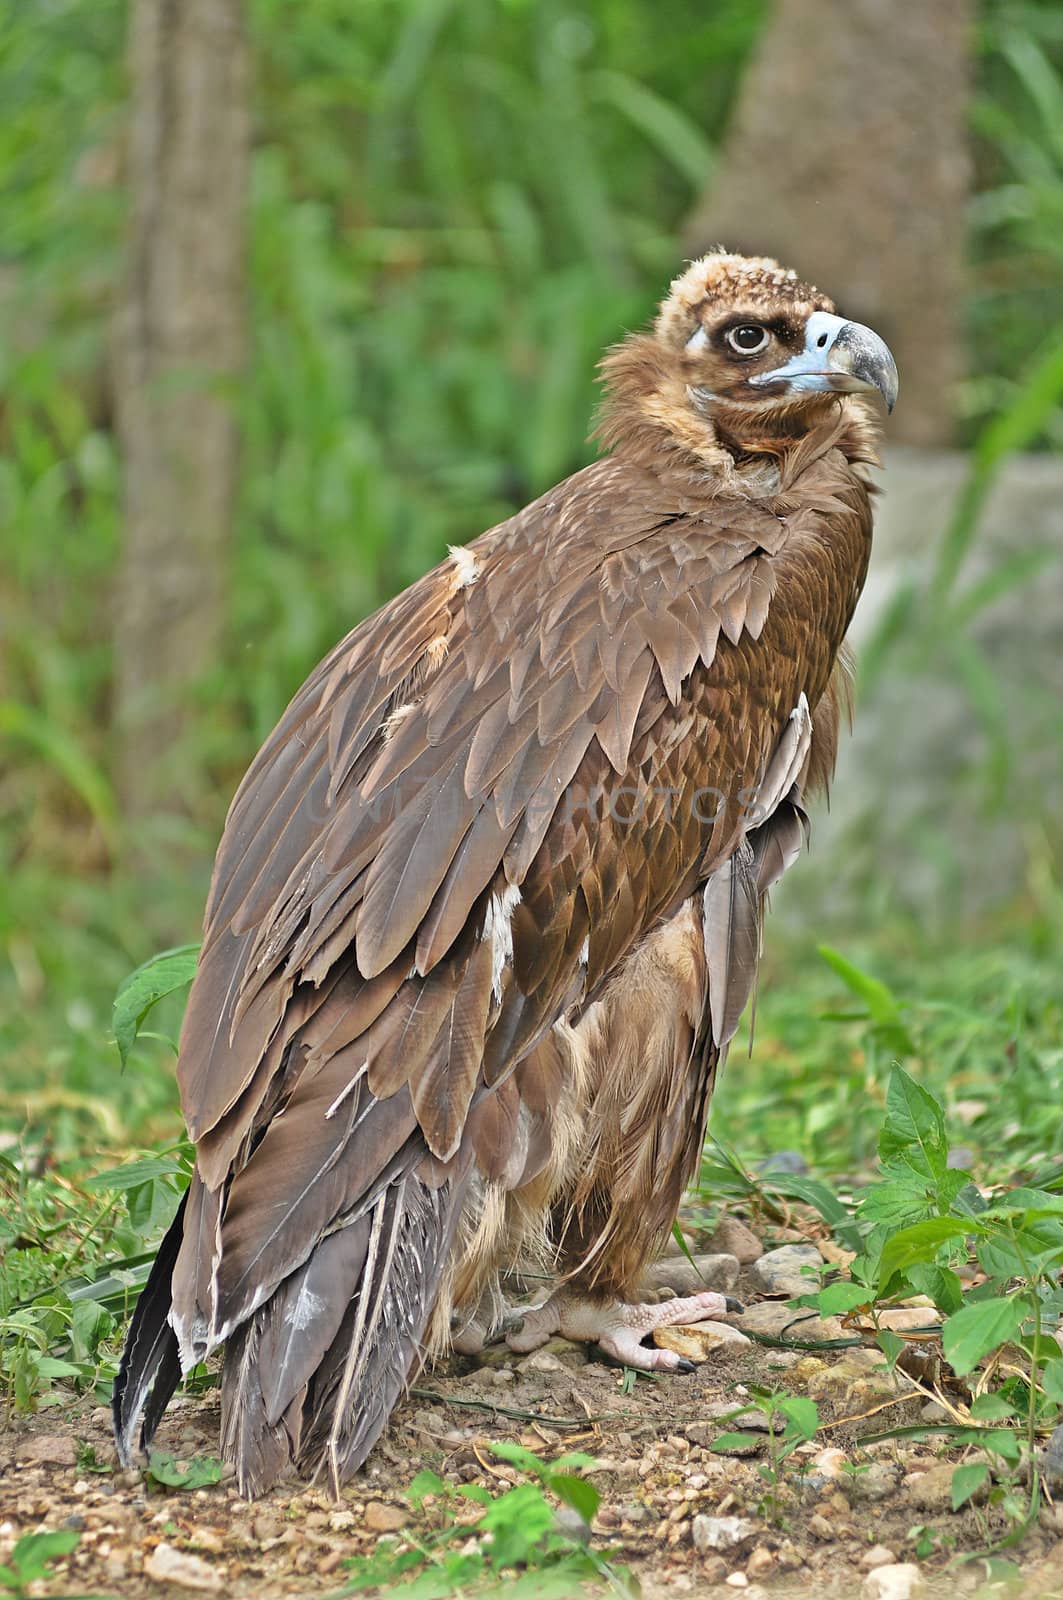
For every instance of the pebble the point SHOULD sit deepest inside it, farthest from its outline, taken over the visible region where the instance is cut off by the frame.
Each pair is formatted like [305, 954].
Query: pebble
[541, 1361]
[698, 1341]
[737, 1580]
[760, 1562]
[733, 1238]
[784, 1322]
[902, 1580]
[858, 1376]
[718, 1272]
[878, 1556]
[820, 1528]
[830, 1462]
[906, 1319]
[49, 1450]
[166, 1564]
[381, 1518]
[932, 1490]
[720, 1533]
[783, 1271]
[713, 1570]
[1052, 1461]
[879, 1482]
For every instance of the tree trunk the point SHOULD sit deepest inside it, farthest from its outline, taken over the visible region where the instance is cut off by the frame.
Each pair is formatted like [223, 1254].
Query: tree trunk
[179, 348]
[847, 159]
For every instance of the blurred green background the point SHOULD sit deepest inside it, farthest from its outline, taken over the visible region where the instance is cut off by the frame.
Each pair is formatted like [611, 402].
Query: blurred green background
[453, 208]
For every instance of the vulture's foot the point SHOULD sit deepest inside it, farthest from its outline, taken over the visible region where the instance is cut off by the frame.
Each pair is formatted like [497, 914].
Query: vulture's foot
[617, 1326]
[491, 1322]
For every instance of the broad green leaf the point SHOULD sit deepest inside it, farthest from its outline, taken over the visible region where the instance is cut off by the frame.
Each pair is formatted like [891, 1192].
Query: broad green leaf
[34, 1551]
[802, 1415]
[518, 1456]
[197, 1473]
[736, 1441]
[891, 1344]
[939, 1284]
[914, 1131]
[838, 1298]
[131, 1174]
[1051, 1381]
[165, 973]
[582, 1496]
[918, 1243]
[991, 1408]
[424, 1483]
[966, 1481]
[972, 1333]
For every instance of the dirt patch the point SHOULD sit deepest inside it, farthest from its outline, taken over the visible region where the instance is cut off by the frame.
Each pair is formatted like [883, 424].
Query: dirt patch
[845, 1503]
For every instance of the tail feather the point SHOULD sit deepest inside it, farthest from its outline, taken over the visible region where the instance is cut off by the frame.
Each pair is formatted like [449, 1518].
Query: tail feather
[312, 1375]
[150, 1365]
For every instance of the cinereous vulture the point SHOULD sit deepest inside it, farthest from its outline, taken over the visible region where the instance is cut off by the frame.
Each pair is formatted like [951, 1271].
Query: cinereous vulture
[487, 906]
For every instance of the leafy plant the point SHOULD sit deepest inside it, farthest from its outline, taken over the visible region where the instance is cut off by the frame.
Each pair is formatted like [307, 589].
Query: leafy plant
[800, 1417]
[166, 1472]
[514, 1537]
[33, 1554]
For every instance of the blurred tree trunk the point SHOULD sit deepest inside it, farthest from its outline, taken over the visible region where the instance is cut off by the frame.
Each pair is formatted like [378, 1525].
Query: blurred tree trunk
[847, 159]
[179, 348]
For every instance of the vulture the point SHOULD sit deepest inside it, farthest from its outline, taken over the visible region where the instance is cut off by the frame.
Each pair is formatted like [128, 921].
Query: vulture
[487, 906]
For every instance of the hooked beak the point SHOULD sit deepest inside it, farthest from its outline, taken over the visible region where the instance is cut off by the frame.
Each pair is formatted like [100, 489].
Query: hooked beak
[841, 356]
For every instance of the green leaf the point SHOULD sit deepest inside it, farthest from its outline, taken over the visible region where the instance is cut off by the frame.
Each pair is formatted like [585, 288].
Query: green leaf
[991, 1408]
[919, 1243]
[198, 1473]
[131, 1174]
[881, 1003]
[972, 1333]
[802, 1415]
[424, 1483]
[582, 1496]
[34, 1551]
[891, 1344]
[838, 1298]
[1051, 1381]
[939, 1284]
[736, 1441]
[913, 1134]
[966, 1481]
[518, 1456]
[165, 973]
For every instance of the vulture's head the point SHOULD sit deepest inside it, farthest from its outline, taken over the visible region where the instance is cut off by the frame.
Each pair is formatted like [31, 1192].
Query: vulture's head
[743, 358]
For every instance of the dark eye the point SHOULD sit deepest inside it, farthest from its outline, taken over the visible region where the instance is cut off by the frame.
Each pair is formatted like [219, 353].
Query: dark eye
[748, 338]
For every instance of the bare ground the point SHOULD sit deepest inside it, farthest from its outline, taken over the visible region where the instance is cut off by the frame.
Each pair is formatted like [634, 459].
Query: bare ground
[842, 1499]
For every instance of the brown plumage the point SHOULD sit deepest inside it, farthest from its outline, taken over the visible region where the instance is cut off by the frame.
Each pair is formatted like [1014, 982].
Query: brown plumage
[487, 906]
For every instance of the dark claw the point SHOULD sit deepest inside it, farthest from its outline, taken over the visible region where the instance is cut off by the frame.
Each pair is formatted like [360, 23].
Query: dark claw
[733, 1305]
[683, 1365]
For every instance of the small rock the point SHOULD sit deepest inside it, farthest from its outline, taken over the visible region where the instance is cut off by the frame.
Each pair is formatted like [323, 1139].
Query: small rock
[878, 1556]
[831, 1462]
[906, 1319]
[733, 1238]
[49, 1450]
[879, 1482]
[1052, 1460]
[718, 1272]
[783, 1271]
[760, 1562]
[933, 1412]
[698, 1341]
[721, 1533]
[541, 1361]
[381, 1518]
[820, 1528]
[786, 1322]
[932, 1490]
[341, 1521]
[713, 1570]
[166, 1564]
[902, 1580]
[863, 1369]
[737, 1580]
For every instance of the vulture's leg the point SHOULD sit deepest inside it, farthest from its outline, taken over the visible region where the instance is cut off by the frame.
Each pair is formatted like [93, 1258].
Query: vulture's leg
[643, 1066]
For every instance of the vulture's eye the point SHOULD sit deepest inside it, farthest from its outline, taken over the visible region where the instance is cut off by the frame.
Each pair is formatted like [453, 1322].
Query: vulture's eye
[748, 338]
